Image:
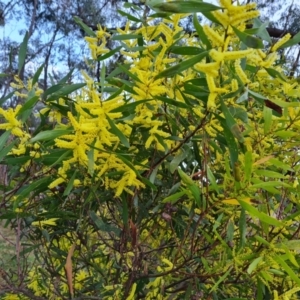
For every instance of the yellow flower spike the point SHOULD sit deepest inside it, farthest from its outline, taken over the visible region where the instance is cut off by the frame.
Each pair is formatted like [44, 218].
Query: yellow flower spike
[233, 55]
[280, 42]
[222, 18]
[216, 39]
[41, 224]
[244, 17]
[211, 102]
[239, 71]
[269, 61]
[211, 83]
[211, 69]
[216, 55]
[56, 182]
[132, 292]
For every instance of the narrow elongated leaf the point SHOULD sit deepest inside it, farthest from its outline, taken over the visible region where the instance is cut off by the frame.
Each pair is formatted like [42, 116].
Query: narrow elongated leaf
[4, 99]
[248, 165]
[287, 269]
[115, 130]
[37, 74]
[70, 185]
[7, 149]
[212, 180]
[103, 226]
[184, 50]
[177, 160]
[253, 265]
[172, 102]
[232, 145]
[260, 215]
[124, 37]
[30, 188]
[270, 174]
[109, 54]
[262, 31]
[267, 119]
[195, 190]
[275, 74]
[66, 90]
[202, 36]
[242, 228]
[87, 29]
[131, 75]
[3, 138]
[175, 197]
[29, 104]
[181, 66]
[22, 52]
[49, 135]
[184, 7]
[249, 40]
[129, 17]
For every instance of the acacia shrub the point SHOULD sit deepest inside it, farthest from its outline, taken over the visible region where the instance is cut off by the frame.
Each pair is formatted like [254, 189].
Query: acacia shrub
[172, 177]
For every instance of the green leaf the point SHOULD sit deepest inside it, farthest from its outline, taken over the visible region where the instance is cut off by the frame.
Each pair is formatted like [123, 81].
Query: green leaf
[123, 37]
[177, 160]
[184, 7]
[287, 269]
[172, 102]
[243, 97]
[32, 187]
[7, 149]
[212, 180]
[116, 131]
[66, 90]
[202, 36]
[4, 137]
[130, 106]
[290, 244]
[175, 197]
[270, 174]
[87, 29]
[185, 178]
[248, 165]
[262, 31]
[275, 74]
[70, 184]
[170, 72]
[28, 105]
[126, 71]
[129, 17]
[109, 54]
[267, 119]
[185, 50]
[103, 226]
[37, 74]
[22, 52]
[294, 41]
[253, 265]
[242, 228]
[49, 135]
[260, 215]
[195, 190]
[2, 100]
[249, 40]
[221, 279]
[231, 143]
[56, 157]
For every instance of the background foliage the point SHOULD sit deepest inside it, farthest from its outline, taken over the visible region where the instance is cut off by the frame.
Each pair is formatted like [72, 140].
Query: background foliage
[172, 175]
